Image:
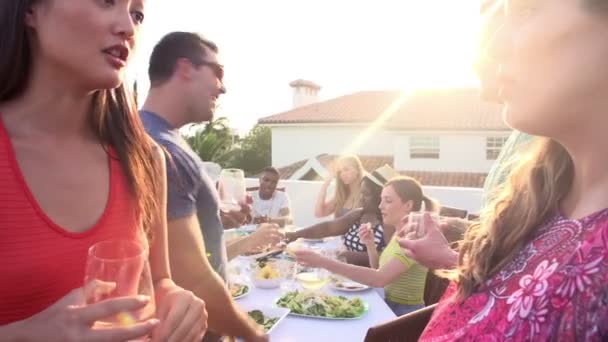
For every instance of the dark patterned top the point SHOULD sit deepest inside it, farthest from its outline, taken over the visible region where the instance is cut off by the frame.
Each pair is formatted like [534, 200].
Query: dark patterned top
[354, 244]
[555, 289]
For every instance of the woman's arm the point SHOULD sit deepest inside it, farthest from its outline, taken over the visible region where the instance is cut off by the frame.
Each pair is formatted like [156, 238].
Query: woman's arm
[356, 258]
[364, 275]
[366, 234]
[322, 207]
[374, 259]
[321, 230]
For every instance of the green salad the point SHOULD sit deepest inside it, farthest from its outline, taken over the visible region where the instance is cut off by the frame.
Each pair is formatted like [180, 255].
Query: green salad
[259, 318]
[321, 305]
[237, 290]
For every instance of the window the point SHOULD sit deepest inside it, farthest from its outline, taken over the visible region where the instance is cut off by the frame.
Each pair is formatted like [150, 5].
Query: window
[424, 147]
[494, 146]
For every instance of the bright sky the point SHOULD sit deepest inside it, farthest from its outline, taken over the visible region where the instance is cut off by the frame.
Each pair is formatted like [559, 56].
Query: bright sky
[344, 46]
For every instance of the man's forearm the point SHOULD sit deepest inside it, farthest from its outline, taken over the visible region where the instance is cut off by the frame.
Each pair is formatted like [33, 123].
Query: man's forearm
[237, 247]
[224, 316]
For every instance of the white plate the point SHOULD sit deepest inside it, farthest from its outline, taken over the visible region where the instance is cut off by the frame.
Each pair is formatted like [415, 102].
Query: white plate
[244, 294]
[263, 254]
[249, 228]
[268, 311]
[365, 311]
[355, 287]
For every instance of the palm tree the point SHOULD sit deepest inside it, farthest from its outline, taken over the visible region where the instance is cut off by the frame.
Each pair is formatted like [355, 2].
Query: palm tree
[214, 142]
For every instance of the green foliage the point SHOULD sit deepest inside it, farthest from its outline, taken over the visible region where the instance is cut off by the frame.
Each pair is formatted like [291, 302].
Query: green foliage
[215, 143]
[254, 153]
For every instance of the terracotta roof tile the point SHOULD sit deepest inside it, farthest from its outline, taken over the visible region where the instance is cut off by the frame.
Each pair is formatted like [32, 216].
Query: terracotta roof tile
[439, 109]
[370, 163]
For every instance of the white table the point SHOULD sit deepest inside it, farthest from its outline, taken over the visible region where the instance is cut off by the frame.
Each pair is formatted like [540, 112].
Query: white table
[295, 329]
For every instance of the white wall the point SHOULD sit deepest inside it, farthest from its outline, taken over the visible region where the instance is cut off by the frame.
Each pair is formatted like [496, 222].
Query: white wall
[458, 153]
[294, 143]
[303, 196]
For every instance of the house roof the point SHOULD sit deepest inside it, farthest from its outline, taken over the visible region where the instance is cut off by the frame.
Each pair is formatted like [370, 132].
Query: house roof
[437, 109]
[304, 83]
[370, 163]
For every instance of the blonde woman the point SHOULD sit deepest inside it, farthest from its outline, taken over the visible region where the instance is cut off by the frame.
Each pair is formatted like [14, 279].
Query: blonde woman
[536, 267]
[349, 173]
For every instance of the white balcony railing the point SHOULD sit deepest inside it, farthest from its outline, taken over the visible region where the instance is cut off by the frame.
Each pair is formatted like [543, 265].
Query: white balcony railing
[303, 196]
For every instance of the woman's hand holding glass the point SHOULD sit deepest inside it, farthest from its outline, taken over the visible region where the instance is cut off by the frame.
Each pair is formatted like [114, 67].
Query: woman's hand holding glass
[366, 234]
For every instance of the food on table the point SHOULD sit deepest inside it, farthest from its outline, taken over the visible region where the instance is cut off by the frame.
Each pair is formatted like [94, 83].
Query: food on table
[292, 247]
[322, 305]
[237, 290]
[267, 272]
[259, 317]
[343, 283]
[265, 250]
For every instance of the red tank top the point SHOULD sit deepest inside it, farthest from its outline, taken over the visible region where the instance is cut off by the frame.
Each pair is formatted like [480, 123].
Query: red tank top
[41, 262]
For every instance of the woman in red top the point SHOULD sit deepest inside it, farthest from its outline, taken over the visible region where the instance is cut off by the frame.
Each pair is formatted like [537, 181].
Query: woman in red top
[76, 168]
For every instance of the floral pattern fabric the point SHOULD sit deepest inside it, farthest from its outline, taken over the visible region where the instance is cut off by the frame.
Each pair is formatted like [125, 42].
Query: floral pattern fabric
[556, 289]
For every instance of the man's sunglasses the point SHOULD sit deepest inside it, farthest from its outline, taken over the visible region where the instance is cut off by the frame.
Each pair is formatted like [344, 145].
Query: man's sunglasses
[217, 68]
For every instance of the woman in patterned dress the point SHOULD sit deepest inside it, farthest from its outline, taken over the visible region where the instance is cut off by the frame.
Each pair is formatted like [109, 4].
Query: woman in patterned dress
[536, 266]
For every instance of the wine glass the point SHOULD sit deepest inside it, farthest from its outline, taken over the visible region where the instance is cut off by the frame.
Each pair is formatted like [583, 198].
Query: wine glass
[232, 189]
[313, 278]
[416, 222]
[119, 268]
[288, 269]
[238, 271]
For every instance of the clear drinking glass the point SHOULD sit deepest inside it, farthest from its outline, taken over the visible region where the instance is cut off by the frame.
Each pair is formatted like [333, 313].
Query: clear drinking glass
[417, 222]
[232, 189]
[288, 269]
[119, 268]
[313, 278]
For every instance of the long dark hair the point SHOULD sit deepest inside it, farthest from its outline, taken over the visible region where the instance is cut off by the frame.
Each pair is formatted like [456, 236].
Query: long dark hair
[113, 114]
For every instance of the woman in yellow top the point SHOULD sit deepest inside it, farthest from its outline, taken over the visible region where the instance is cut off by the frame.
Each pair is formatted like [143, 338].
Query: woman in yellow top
[402, 278]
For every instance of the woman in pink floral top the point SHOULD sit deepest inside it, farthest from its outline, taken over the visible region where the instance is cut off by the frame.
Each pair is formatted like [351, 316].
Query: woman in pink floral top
[556, 287]
[536, 266]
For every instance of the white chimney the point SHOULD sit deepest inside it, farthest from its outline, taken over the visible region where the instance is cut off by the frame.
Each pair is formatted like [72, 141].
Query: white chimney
[304, 92]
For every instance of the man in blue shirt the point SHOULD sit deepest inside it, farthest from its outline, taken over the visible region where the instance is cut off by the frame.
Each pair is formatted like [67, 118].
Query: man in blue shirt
[186, 81]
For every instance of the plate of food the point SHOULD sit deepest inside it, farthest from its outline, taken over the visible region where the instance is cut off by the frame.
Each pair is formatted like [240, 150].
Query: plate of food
[265, 252]
[267, 316]
[323, 306]
[347, 285]
[248, 228]
[266, 275]
[239, 290]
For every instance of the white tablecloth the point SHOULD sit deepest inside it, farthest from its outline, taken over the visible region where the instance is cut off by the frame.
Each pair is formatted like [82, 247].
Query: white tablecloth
[295, 329]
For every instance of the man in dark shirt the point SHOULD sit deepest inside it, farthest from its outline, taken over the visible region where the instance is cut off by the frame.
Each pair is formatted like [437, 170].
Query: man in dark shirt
[186, 81]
